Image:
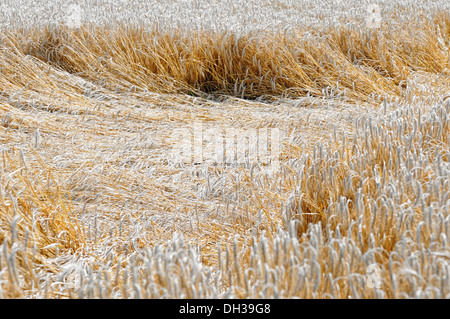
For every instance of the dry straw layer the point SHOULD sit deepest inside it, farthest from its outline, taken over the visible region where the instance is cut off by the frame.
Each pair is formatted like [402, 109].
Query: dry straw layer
[90, 206]
[341, 59]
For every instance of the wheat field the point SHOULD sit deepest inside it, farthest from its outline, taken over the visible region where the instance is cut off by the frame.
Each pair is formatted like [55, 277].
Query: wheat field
[95, 203]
